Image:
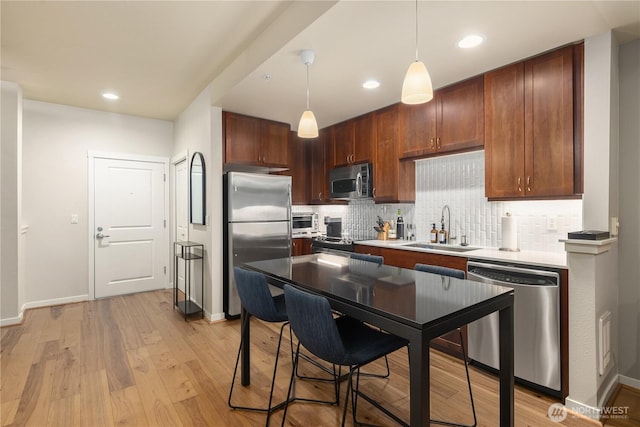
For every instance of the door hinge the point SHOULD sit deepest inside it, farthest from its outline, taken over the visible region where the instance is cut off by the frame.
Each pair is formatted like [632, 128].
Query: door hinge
[164, 177]
[165, 223]
[165, 270]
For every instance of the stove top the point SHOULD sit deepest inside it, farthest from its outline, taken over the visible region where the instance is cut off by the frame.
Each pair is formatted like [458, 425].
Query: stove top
[332, 243]
[337, 240]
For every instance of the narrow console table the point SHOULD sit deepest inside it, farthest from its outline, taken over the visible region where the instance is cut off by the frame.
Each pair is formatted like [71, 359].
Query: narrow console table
[188, 252]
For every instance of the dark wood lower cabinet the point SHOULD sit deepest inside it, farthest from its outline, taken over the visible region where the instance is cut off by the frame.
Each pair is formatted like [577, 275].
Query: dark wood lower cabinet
[301, 246]
[450, 342]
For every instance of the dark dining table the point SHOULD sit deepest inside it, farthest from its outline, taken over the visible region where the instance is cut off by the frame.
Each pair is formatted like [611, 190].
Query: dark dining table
[414, 305]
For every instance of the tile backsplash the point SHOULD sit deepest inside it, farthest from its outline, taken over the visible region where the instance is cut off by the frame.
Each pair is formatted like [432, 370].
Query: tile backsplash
[458, 181]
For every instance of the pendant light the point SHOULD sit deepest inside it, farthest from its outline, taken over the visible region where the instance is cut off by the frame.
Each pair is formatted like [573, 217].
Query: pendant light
[308, 126]
[417, 88]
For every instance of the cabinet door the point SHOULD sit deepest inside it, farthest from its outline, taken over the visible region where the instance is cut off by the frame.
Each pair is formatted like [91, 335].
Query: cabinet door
[300, 246]
[318, 168]
[504, 132]
[363, 138]
[549, 151]
[274, 144]
[385, 168]
[342, 143]
[241, 139]
[417, 130]
[298, 170]
[460, 111]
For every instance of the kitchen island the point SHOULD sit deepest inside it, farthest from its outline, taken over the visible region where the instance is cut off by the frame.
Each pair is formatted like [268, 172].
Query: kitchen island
[407, 303]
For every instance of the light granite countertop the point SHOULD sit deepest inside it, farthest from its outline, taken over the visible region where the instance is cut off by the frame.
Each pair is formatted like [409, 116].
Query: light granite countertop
[534, 258]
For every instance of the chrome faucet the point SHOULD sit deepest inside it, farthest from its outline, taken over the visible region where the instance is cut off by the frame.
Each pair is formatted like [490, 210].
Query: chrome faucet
[449, 236]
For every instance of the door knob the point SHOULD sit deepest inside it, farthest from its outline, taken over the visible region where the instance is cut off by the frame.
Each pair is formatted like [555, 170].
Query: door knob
[101, 236]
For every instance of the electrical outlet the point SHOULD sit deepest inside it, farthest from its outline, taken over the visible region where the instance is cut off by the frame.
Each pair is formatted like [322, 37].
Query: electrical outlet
[74, 218]
[552, 223]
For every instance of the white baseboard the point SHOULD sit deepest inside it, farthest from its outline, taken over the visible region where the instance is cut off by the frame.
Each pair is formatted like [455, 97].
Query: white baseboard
[582, 409]
[596, 412]
[214, 317]
[631, 382]
[55, 301]
[44, 303]
[10, 321]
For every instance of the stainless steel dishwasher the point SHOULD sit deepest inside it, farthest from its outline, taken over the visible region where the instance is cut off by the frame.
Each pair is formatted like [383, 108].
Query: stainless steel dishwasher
[536, 323]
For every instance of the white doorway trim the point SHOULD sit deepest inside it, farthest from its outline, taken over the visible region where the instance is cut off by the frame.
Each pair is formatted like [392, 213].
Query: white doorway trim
[175, 160]
[91, 156]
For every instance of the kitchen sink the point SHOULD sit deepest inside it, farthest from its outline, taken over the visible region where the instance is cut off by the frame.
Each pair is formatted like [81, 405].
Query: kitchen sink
[442, 247]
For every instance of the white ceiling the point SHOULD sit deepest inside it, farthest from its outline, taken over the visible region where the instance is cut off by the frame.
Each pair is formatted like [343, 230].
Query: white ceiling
[159, 55]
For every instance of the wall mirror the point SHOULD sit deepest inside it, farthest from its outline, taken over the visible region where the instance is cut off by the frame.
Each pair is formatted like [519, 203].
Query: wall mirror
[197, 187]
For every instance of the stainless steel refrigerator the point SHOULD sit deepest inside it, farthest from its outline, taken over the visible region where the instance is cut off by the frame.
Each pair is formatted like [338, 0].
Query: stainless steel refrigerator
[257, 217]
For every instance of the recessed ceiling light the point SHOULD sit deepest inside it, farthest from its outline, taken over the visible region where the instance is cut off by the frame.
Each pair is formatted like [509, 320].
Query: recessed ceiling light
[110, 95]
[371, 84]
[470, 41]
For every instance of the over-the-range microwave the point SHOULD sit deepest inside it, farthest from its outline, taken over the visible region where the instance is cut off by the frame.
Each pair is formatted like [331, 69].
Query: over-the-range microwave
[351, 182]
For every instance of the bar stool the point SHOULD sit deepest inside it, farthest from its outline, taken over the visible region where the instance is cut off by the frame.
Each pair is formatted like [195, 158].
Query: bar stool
[257, 300]
[343, 341]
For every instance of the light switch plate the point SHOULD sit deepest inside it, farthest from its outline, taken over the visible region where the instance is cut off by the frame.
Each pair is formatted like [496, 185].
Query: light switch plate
[74, 218]
[613, 228]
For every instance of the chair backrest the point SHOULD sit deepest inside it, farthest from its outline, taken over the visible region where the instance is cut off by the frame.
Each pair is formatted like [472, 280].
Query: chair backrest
[255, 296]
[444, 271]
[366, 257]
[312, 321]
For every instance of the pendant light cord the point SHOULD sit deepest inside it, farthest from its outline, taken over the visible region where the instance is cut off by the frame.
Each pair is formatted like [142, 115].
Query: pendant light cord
[416, 30]
[307, 64]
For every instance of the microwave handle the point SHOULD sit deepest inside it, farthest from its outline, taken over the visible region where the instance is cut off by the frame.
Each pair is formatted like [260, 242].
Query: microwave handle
[359, 184]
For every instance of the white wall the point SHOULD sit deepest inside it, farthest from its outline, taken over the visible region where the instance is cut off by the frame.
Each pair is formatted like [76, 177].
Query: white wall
[56, 140]
[11, 240]
[199, 128]
[629, 238]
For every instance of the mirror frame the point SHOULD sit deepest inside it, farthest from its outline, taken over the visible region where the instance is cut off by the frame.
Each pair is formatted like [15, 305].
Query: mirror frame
[202, 196]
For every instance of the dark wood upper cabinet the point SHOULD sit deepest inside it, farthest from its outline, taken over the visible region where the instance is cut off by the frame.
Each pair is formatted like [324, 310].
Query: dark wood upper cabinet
[529, 128]
[352, 141]
[452, 121]
[319, 167]
[394, 180]
[254, 141]
[299, 170]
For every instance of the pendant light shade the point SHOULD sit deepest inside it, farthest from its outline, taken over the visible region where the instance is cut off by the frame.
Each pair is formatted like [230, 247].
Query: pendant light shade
[417, 88]
[308, 126]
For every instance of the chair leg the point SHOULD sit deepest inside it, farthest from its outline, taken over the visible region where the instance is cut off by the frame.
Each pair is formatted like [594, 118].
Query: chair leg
[270, 408]
[473, 406]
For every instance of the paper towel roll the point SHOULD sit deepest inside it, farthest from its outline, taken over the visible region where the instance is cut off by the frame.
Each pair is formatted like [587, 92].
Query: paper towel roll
[509, 233]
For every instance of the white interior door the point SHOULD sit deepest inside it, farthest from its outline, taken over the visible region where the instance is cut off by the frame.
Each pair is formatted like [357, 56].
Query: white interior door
[130, 243]
[181, 209]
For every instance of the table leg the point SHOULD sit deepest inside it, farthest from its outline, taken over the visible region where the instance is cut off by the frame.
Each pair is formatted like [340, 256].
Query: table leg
[245, 359]
[506, 367]
[419, 378]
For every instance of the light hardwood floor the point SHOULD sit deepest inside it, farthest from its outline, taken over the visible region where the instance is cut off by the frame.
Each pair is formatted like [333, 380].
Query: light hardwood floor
[134, 361]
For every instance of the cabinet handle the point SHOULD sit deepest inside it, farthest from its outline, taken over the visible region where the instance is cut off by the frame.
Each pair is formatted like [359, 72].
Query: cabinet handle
[438, 142]
[528, 183]
[374, 192]
[320, 195]
[432, 144]
[519, 187]
[353, 158]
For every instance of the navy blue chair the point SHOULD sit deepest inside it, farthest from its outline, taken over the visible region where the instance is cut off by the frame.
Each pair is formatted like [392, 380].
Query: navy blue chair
[257, 300]
[343, 341]
[458, 274]
[366, 257]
